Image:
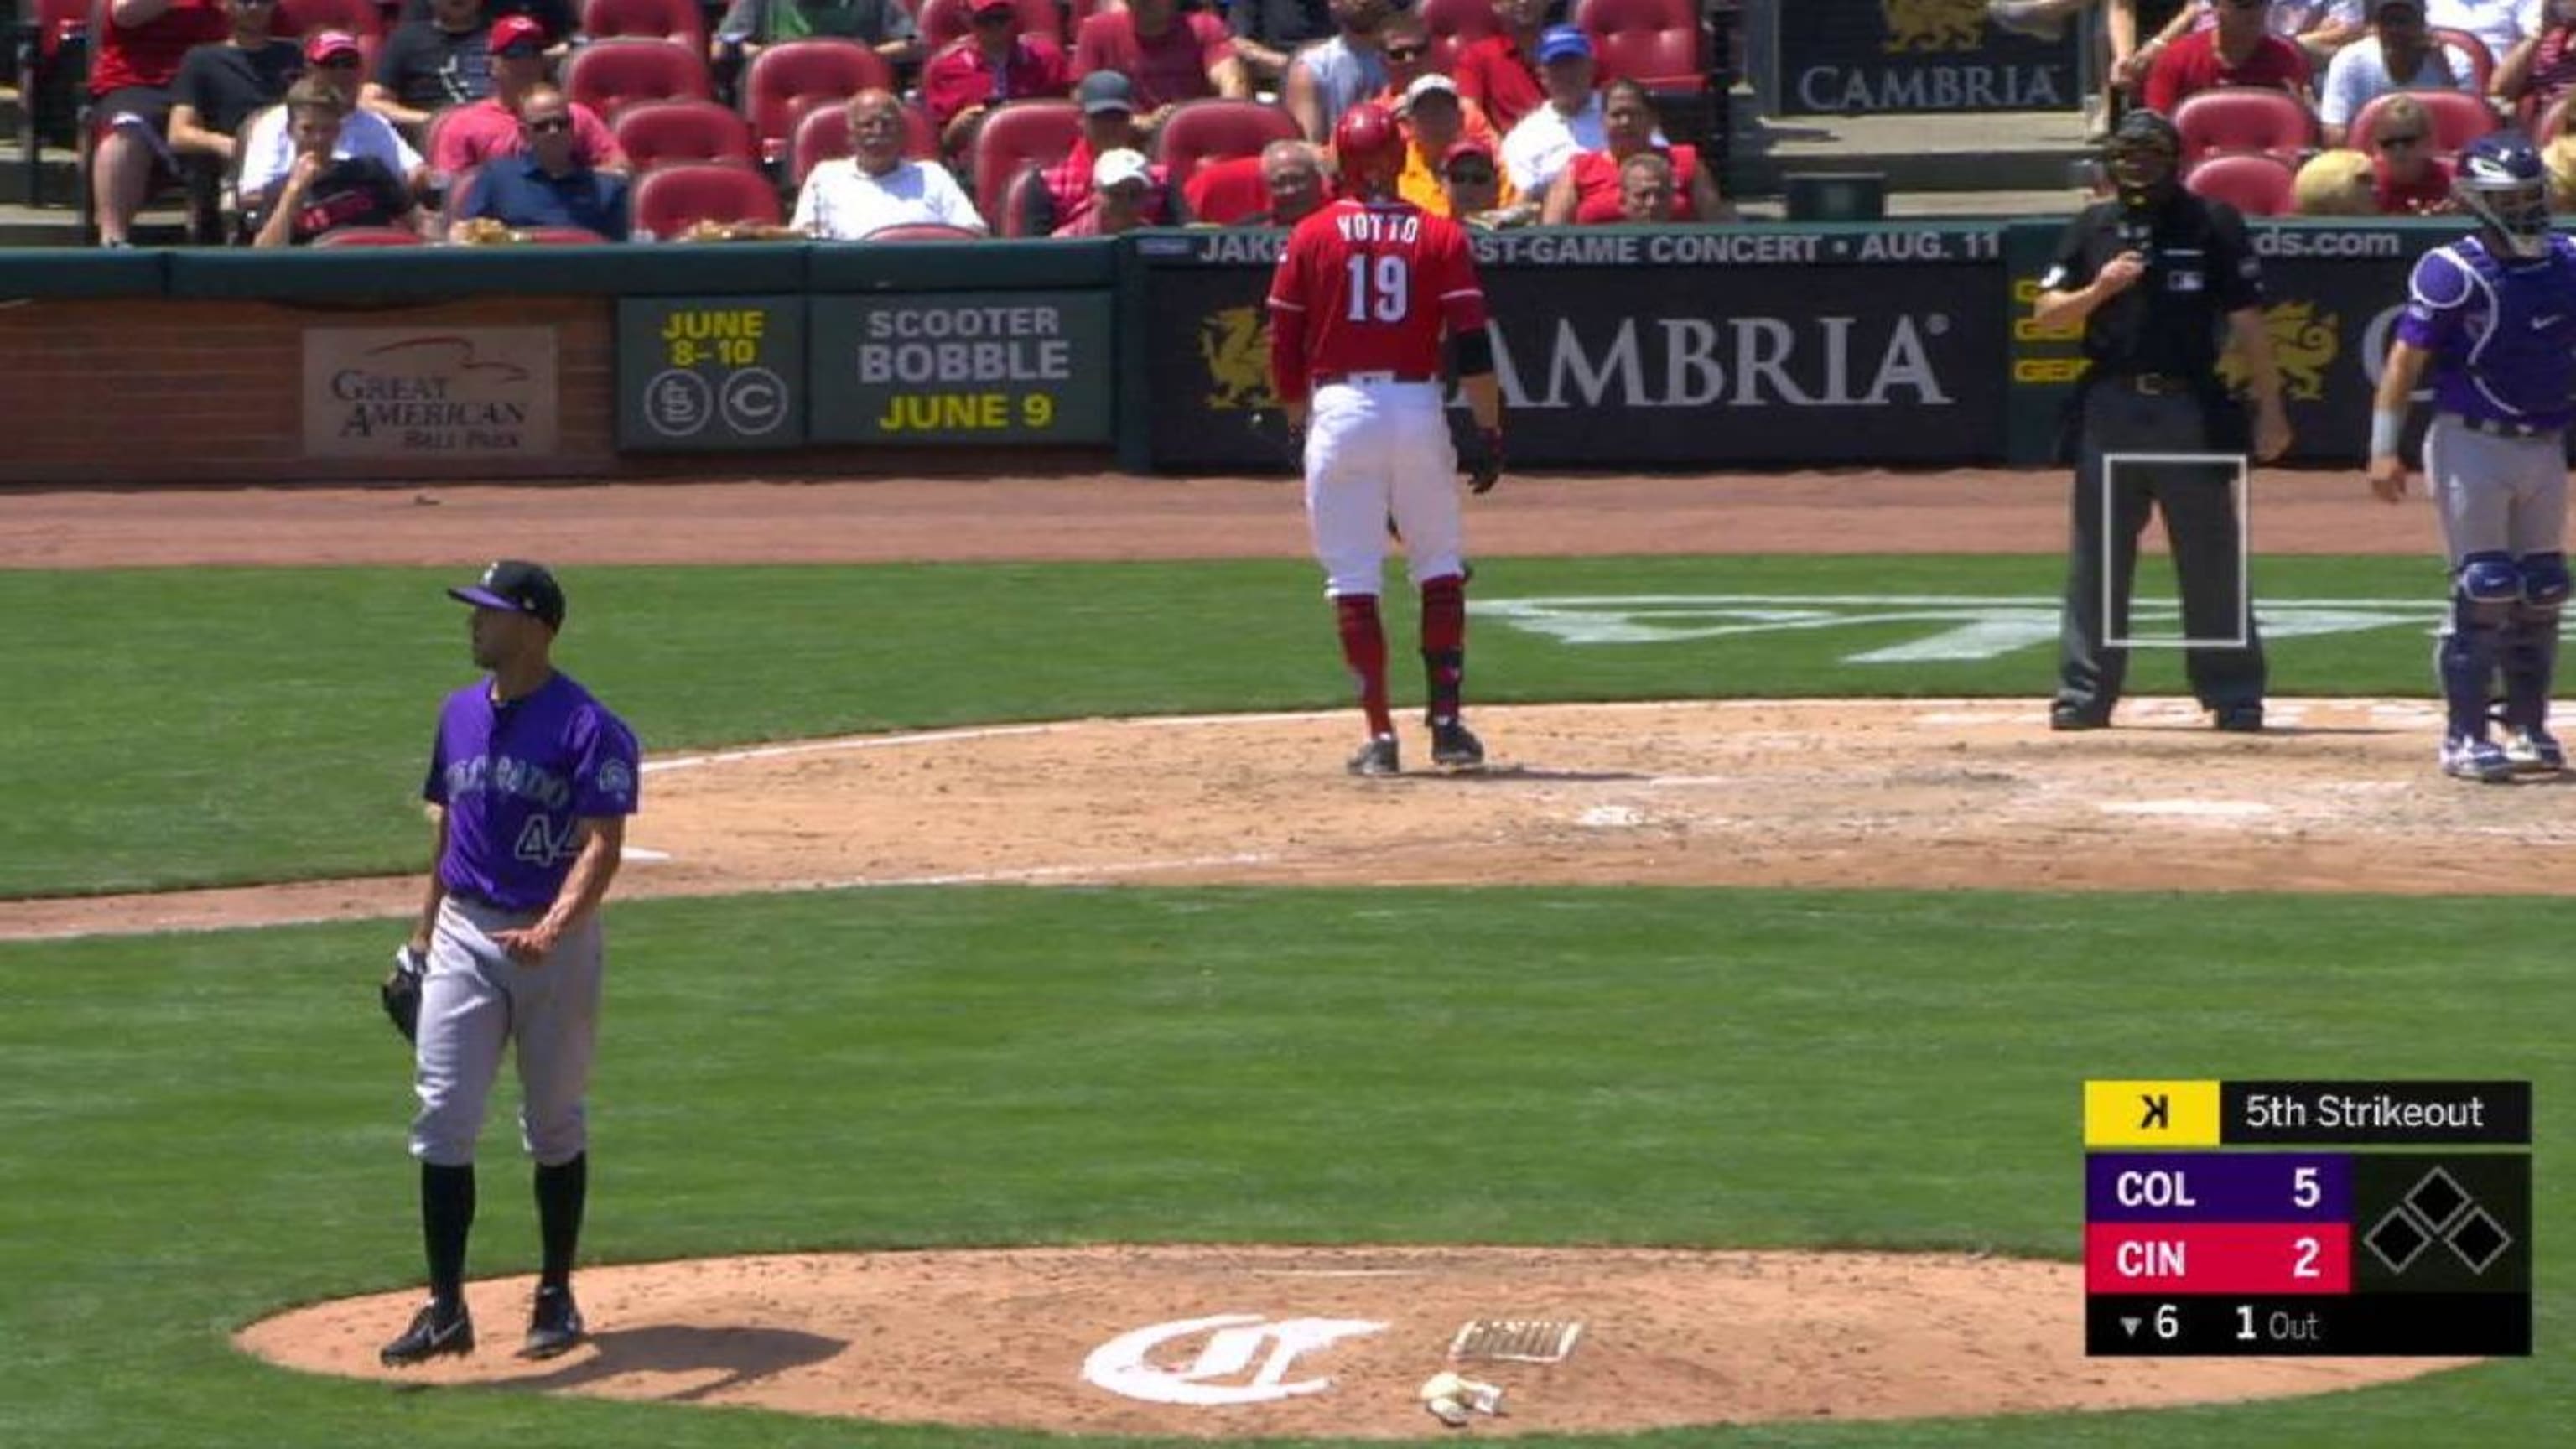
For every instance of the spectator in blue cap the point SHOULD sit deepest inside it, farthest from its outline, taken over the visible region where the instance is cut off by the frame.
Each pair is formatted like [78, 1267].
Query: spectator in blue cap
[1569, 124]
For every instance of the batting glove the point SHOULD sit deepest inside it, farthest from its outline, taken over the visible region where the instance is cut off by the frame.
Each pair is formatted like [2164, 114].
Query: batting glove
[1486, 468]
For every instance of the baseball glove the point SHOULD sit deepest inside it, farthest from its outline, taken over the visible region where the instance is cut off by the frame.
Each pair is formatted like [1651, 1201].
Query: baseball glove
[400, 990]
[1484, 464]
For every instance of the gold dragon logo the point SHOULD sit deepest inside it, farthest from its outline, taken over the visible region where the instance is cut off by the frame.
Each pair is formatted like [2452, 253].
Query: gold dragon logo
[2303, 342]
[1933, 25]
[1235, 344]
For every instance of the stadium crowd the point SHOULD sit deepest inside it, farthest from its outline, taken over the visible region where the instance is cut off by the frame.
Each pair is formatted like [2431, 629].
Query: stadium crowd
[481, 121]
[2334, 107]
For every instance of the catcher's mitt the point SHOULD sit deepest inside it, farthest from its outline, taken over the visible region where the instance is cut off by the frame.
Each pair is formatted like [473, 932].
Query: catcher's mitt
[1484, 464]
[400, 990]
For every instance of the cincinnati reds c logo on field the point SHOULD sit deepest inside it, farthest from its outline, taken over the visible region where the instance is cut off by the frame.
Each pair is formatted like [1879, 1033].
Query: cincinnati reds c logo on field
[1225, 1371]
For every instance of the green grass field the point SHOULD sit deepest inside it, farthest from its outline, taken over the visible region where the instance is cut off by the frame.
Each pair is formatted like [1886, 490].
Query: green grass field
[199, 1130]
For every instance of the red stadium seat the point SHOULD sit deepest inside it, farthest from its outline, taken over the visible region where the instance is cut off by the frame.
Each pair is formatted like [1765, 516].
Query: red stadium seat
[1019, 134]
[920, 231]
[673, 20]
[671, 199]
[653, 133]
[2244, 118]
[2253, 183]
[362, 18]
[610, 75]
[2458, 119]
[941, 21]
[369, 236]
[1659, 43]
[1456, 24]
[1224, 193]
[823, 134]
[1197, 132]
[2482, 61]
[785, 80]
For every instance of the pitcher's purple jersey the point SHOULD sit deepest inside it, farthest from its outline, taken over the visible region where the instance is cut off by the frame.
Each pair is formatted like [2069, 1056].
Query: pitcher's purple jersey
[516, 778]
[2502, 333]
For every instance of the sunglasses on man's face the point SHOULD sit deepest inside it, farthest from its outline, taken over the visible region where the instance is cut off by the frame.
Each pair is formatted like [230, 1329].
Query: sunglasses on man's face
[1471, 175]
[341, 62]
[1406, 52]
[548, 125]
[2412, 138]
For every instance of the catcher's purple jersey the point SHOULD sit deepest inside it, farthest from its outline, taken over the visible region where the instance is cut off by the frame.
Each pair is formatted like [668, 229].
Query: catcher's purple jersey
[515, 779]
[2502, 332]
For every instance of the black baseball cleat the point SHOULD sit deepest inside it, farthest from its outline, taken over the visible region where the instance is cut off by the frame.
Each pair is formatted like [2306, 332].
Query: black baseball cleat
[436, 1330]
[1377, 757]
[2063, 716]
[1456, 746]
[554, 1325]
[2238, 719]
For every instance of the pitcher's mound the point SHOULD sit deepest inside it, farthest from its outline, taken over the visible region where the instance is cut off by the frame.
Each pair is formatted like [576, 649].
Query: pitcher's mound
[1221, 1342]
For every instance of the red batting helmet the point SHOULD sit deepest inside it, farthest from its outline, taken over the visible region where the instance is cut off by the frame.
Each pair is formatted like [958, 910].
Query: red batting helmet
[1368, 147]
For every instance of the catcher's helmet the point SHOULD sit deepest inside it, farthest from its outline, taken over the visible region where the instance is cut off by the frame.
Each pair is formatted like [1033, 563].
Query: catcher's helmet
[2502, 181]
[1368, 147]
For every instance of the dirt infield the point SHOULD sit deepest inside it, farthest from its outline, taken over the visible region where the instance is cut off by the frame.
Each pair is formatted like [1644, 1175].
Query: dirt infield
[1309, 1342]
[2339, 796]
[1113, 517]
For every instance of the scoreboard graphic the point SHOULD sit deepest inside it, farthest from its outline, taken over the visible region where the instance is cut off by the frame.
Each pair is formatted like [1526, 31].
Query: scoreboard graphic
[2213, 1227]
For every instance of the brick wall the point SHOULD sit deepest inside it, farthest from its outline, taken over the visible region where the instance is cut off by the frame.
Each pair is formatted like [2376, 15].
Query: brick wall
[154, 391]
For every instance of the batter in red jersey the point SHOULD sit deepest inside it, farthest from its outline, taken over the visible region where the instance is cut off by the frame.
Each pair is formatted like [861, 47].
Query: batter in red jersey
[1363, 296]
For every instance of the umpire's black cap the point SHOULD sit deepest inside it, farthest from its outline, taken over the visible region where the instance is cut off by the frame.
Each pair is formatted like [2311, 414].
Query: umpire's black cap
[518, 587]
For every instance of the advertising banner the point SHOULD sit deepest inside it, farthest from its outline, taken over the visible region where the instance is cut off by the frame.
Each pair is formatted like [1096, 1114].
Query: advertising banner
[710, 373]
[1618, 348]
[430, 393]
[1875, 57]
[962, 367]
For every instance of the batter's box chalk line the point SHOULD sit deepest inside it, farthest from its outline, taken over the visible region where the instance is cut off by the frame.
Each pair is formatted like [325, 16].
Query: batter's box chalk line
[1515, 1340]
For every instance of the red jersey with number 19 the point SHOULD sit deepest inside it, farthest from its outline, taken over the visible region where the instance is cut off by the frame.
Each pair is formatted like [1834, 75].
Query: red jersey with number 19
[1369, 287]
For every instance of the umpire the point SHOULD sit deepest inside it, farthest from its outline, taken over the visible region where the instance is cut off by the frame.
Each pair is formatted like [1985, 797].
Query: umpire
[2157, 277]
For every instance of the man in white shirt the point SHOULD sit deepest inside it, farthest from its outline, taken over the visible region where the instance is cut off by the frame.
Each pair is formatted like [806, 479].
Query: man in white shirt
[1548, 138]
[268, 151]
[2502, 24]
[2399, 55]
[877, 187]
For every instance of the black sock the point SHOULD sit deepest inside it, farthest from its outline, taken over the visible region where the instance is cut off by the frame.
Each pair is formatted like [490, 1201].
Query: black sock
[560, 1193]
[446, 1216]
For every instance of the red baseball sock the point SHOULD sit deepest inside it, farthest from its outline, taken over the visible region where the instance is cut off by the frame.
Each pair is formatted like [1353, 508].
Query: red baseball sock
[1364, 649]
[1444, 643]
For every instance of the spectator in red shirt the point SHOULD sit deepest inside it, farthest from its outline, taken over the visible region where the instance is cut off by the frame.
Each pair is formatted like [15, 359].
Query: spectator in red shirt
[138, 56]
[1169, 56]
[2409, 178]
[981, 70]
[2240, 50]
[1500, 72]
[1594, 187]
[484, 130]
[2543, 66]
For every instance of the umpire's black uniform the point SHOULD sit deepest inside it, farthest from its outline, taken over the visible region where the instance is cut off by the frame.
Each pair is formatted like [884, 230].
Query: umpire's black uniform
[2154, 388]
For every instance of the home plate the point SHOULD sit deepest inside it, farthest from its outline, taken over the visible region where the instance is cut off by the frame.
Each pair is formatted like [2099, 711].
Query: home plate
[2203, 809]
